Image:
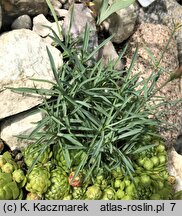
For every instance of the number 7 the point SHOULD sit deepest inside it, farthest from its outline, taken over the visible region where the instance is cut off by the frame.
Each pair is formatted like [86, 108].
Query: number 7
[173, 204]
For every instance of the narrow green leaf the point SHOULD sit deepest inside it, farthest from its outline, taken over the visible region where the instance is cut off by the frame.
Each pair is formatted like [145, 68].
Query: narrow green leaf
[70, 138]
[114, 7]
[143, 148]
[128, 134]
[99, 47]
[54, 15]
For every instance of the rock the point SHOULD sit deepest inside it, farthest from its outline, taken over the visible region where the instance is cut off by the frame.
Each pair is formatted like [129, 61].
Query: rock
[108, 54]
[62, 12]
[57, 6]
[155, 38]
[145, 3]
[55, 29]
[122, 23]
[21, 124]
[23, 55]
[81, 16]
[13, 9]
[63, 1]
[175, 168]
[155, 13]
[78, 25]
[39, 26]
[21, 22]
[0, 17]
[66, 6]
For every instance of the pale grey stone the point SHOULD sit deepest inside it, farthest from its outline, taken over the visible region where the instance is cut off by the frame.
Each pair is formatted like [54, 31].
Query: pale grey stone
[108, 54]
[21, 22]
[23, 56]
[82, 16]
[44, 28]
[63, 1]
[54, 27]
[21, 124]
[39, 25]
[62, 12]
[122, 23]
[57, 6]
[174, 166]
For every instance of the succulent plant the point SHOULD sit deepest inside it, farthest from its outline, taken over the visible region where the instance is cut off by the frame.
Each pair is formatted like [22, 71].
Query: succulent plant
[145, 180]
[78, 193]
[120, 194]
[33, 152]
[75, 181]
[2, 161]
[117, 173]
[93, 192]
[8, 189]
[58, 158]
[155, 197]
[155, 160]
[38, 180]
[68, 197]
[102, 181]
[109, 194]
[59, 187]
[33, 196]
[100, 117]
[7, 168]
[18, 176]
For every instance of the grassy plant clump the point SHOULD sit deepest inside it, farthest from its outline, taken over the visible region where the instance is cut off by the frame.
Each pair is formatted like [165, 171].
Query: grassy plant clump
[98, 138]
[94, 113]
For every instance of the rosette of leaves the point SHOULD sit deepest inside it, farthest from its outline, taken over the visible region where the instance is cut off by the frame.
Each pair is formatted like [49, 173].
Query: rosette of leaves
[19, 177]
[9, 189]
[58, 157]
[12, 178]
[94, 192]
[33, 152]
[59, 187]
[38, 180]
[96, 109]
[33, 196]
[109, 194]
[78, 193]
[7, 163]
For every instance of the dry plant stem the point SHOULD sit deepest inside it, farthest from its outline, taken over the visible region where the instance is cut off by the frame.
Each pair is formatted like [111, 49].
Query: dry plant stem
[175, 75]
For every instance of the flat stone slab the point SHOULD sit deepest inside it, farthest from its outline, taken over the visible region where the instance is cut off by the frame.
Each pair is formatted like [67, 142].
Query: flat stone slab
[23, 56]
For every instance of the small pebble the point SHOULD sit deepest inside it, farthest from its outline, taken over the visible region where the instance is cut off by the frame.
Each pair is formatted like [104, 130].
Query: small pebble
[22, 22]
[62, 1]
